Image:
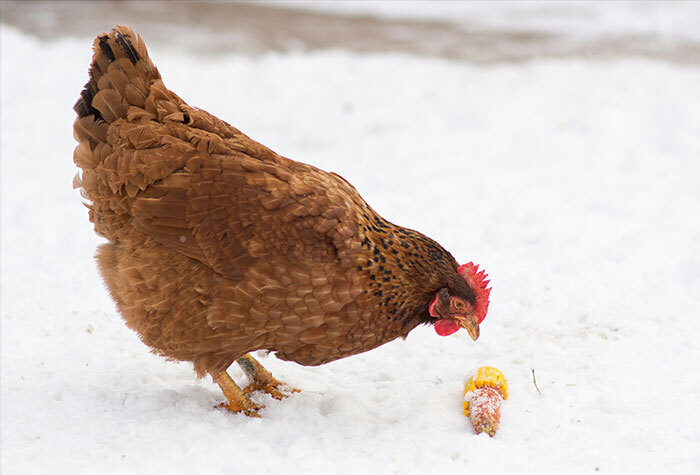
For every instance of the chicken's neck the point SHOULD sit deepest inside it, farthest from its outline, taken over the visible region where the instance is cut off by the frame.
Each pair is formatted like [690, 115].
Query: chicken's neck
[402, 270]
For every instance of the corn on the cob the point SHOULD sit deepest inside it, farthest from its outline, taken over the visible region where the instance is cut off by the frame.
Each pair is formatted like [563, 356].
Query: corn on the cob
[483, 394]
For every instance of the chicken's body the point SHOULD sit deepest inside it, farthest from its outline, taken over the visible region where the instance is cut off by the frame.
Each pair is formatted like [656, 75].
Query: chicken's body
[217, 246]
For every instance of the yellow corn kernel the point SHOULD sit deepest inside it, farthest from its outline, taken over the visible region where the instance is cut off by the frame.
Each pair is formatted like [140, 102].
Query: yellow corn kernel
[486, 376]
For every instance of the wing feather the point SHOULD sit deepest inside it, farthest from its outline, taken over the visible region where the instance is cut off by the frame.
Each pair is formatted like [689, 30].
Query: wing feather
[230, 211]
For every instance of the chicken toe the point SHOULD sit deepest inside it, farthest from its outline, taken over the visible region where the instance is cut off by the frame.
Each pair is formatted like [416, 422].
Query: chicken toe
[237, 400]
[262, 379]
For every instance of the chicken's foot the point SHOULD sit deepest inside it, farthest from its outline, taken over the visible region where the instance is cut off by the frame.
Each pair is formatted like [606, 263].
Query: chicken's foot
[261, 379]
[237, 400]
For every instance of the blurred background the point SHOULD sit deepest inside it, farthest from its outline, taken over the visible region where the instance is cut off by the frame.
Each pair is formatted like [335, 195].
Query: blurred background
[476, 31]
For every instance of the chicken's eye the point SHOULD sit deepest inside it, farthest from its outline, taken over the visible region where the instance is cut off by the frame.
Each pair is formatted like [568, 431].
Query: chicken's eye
[459, 304]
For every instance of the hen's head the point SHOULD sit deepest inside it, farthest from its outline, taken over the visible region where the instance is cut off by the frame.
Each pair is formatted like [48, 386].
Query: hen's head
[457, 308]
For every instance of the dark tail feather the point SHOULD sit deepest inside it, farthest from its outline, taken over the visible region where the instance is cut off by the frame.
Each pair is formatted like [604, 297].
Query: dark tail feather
[120, 63]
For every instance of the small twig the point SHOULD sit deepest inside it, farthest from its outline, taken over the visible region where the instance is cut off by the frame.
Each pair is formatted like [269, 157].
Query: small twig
[534, 381]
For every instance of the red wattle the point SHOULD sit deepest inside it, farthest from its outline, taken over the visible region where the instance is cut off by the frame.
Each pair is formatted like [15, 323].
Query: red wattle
[446, 327]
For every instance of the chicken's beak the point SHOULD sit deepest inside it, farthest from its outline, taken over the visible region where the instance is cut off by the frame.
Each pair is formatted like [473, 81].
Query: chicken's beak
[470, 324]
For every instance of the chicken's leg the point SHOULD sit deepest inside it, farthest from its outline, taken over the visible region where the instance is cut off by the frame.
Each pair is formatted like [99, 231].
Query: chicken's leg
[237, 400]
[261, 379]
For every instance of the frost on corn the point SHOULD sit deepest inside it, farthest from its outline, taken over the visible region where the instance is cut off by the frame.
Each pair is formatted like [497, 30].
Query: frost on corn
[483, 393]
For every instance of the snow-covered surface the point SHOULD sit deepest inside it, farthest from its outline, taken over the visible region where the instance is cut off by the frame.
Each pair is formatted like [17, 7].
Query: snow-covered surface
[575, 184]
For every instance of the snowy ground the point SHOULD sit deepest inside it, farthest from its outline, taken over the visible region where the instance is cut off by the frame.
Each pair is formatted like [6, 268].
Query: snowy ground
[574, 183]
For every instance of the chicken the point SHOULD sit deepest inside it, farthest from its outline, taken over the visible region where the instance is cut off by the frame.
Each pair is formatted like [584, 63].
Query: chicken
[217, 246]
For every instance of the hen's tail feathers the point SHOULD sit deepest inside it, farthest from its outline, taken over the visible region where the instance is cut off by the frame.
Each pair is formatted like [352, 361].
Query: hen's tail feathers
[124, 87]
[132, 131]
[120, 75]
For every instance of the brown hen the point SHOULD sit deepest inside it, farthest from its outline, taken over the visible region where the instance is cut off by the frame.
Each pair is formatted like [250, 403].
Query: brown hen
[217, 246]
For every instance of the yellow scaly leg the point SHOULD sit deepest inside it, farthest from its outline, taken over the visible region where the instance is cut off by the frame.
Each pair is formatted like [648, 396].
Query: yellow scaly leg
[237, 400]
[261, 379]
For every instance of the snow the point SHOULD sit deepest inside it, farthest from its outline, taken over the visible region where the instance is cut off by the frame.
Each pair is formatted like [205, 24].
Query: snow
[574, 183]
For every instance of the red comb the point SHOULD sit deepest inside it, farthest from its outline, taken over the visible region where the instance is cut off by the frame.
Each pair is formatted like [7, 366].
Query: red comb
[478, 282]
